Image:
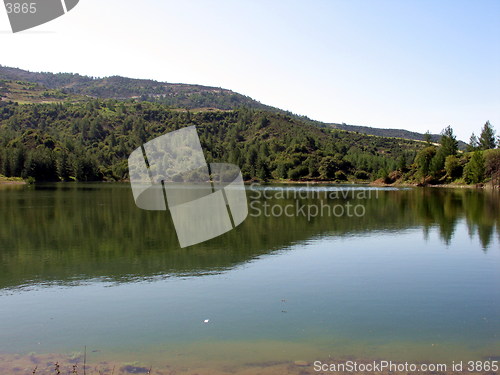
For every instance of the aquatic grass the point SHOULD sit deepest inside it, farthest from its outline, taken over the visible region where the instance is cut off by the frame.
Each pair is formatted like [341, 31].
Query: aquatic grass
[57, 368]
[71, 368]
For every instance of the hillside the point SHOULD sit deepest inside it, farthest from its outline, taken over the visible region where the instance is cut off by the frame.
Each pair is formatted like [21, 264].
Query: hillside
[92, 141]
[171, 94]
[52, 87]
[67, 127]
[29, 93]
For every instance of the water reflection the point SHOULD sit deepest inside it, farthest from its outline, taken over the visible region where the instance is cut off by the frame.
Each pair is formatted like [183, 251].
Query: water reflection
[66, 233]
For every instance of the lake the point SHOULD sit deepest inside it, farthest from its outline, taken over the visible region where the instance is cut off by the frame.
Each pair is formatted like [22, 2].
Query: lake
[406, 275]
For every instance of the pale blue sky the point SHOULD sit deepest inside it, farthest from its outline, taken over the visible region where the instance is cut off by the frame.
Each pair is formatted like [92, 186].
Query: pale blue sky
[407, 64]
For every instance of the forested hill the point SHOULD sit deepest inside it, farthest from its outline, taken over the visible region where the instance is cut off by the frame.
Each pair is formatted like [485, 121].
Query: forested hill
[171, 94]
[64, 127]
[24, 86]
[92, 140]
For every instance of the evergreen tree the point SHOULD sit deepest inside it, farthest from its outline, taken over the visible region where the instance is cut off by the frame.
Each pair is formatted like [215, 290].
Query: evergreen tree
[449, 146]
[63, 166]
[17, 158]
[423, 160]
[487, 138]
[473, 143]
[328, 167]
[452, 167]
[263, 170]
[492, 164]
[449, 142]
[402, 163]
[428, 138]
[252, 159]
[474, 169]
[281, 170]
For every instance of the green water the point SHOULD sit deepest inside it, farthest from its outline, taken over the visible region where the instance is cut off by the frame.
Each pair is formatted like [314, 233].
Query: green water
[416, 277]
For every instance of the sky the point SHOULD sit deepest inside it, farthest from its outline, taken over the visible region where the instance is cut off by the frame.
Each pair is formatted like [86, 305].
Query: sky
[413, 64]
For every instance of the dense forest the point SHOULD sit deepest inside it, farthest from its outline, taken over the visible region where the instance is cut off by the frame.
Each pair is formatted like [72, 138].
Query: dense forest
[92, 141]
[53, 128]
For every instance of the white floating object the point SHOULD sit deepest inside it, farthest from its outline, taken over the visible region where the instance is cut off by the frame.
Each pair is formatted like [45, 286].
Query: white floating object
[206, 320]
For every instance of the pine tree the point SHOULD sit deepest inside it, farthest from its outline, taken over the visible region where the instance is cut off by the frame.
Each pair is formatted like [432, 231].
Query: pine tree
[452, 167]
[449, 142]
[449, 146]
[63, 166]
[473, 143]
[474, 169]
[402, 163]
[487, 138]
[428, 138]
[423, 160]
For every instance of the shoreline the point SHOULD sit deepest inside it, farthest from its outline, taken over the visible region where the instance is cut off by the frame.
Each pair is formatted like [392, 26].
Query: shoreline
[48, 364]
[377, 183]
[11, 180]
[4, 182]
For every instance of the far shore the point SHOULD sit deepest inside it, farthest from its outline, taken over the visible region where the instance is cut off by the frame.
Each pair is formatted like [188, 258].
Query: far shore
[7, 182]
[377, 183]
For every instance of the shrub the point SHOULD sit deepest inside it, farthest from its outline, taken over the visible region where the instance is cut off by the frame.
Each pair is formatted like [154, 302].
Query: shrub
[340, 175]
[492, 163]
[474, 169]
[297, 173]
[362, 175]
[423, 160]
[452, 167]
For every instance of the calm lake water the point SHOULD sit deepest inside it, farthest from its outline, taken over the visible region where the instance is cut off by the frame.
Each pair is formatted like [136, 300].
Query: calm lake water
[415, 278]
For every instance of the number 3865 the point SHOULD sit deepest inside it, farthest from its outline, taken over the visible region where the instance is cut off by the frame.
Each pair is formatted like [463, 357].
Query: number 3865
[21, 8]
